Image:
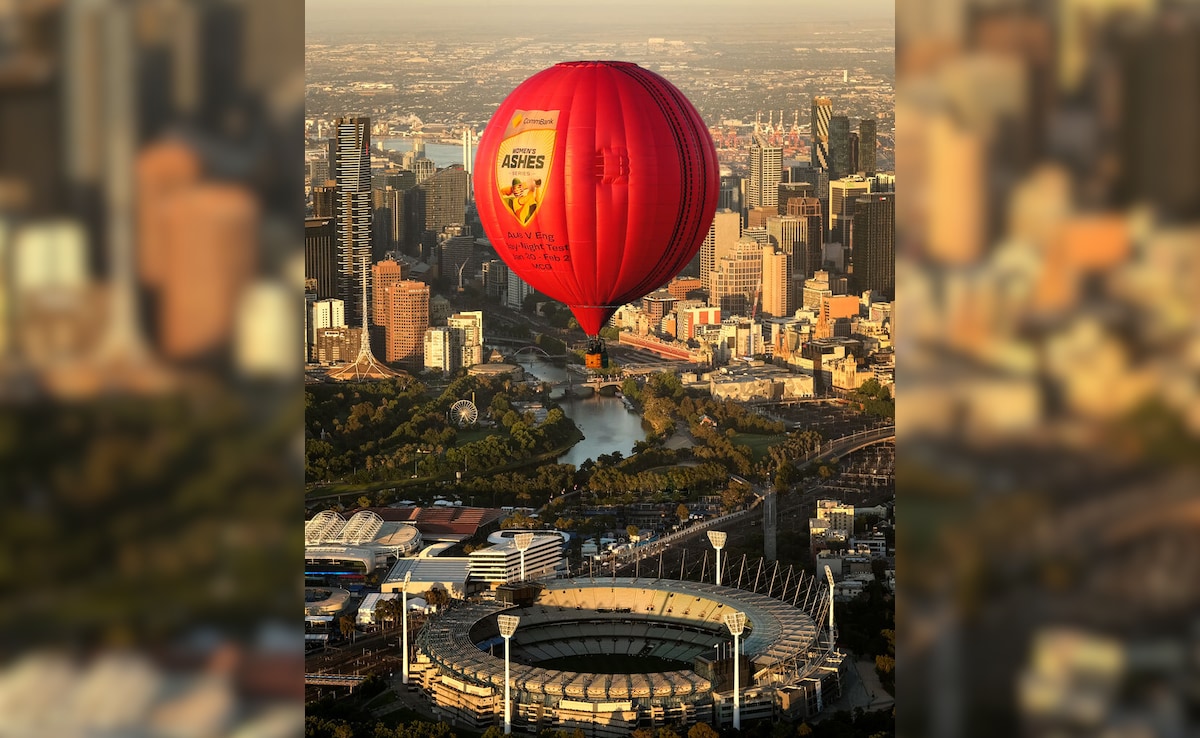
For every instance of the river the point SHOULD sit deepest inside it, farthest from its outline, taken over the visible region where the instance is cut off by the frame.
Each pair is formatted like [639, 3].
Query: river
[607, 426]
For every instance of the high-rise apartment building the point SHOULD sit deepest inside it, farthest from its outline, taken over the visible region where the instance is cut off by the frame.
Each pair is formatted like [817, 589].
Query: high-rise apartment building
[442, 349]
[321, 255]
[324, 314]
[873, 245]
[766, 171]
[352, 171]
[458, 259]
[495, 279]
[406, 319]
[518, 290]
[822, 111]
[469, 328]
[839, 147]
[724, 232]
[866, 146]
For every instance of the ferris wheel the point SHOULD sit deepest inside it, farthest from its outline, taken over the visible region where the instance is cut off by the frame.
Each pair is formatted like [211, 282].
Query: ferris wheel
[464, 412]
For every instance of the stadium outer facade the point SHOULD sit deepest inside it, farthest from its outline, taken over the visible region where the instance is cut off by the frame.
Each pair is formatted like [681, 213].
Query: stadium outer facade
[789, 666]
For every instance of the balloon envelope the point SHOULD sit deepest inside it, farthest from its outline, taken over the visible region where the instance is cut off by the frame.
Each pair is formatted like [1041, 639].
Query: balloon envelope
[596, 183]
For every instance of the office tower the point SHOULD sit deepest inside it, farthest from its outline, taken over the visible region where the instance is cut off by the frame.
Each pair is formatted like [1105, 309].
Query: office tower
[318, 172]
[839, 147]
[406, 319]
[656, 305]
[757, 217]
[766, 164]
[684, 288]
[691, 318]
[738, 278]
[469, 327]
[209, 233]
[841, 206]
[822, 111]
[816, 290]
[434, 204]
[162, 171]
[324, 201]
[853, 153]
[787, 234]
[809, 254]
[789, 190]
[758, 233]
[725, 230]
[321, 255]
[422, 169]
[388, 220]
[324, 314]
[776, 283]
[442, 349]
[731, 194]
[353, 175]
[866, 146]
[385, 274]
[458, 259]
[873, 245]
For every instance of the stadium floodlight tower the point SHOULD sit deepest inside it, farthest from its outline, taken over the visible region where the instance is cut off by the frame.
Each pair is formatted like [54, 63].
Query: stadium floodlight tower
[736, 622]
[404, 624]
[829, 576]
[508, 626]
[523, 541]
[717, 539]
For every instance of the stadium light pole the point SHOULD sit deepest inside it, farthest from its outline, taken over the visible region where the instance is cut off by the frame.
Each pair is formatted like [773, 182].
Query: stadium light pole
[829, 576]
[717, 539]
[736, 622]
[508, 626]
[523, 541]
[404, 625]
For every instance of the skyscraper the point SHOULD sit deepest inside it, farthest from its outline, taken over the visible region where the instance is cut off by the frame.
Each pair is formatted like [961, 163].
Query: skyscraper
[437, 202]
[839, 147]
[809, 256]
[406, 320]
[321, 255]
[766, 165]
[353, 174]
[853, 152]
[841, 206]
[469, 327]
[725, 230]
[738, 278]
[822, 111]
[324, 314]
[776, 283]
[324, 201]
[384, 275]
[873, 245]
[442, 349]
[866, 146]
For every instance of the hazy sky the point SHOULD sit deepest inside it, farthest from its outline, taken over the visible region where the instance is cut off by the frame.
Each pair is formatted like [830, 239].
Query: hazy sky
[534, 19]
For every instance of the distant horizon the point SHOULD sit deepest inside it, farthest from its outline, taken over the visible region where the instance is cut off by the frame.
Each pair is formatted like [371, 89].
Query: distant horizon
[372, 19]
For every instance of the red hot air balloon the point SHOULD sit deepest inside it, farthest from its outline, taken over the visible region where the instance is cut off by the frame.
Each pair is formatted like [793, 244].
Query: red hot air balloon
[596, 182]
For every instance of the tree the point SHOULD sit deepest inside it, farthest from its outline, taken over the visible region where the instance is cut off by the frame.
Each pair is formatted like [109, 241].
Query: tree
[683, 513]
[493, 731]
[632, 531]
[346, 624]
[387, 611]
[702, 730]
[436, 597]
